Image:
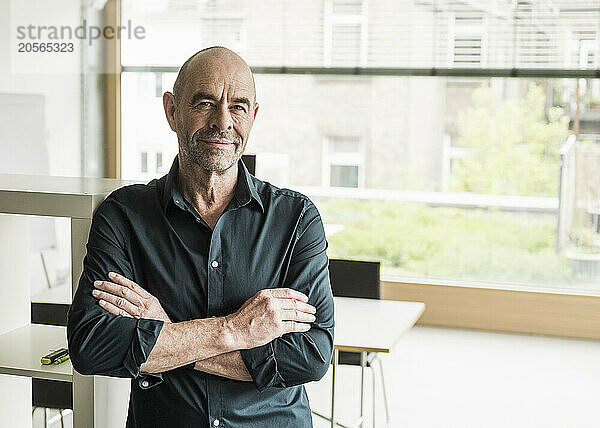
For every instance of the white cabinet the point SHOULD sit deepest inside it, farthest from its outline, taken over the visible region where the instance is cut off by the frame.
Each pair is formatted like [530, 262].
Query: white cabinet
[22, 344]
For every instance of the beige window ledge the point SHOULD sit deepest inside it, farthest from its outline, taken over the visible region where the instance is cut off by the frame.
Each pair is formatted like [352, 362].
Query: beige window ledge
[487, 308]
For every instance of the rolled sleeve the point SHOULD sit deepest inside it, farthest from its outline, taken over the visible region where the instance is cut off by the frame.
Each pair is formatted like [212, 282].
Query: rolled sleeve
[145, 337]
[101, 343]
[262, 366]
[297, 358]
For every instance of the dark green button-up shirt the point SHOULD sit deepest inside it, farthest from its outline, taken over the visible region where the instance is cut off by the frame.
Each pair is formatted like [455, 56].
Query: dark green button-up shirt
[266, 238]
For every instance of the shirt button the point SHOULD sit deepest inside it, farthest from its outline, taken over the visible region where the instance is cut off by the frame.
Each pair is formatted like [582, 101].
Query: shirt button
[215, 264]
[216, 422]
[145, 384]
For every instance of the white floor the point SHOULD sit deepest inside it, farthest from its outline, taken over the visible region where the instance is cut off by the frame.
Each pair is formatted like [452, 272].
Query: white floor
[439, 377]
[448, 378]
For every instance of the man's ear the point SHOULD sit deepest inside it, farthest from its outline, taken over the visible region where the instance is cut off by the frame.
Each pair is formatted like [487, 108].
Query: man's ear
[255, 111]
[169, 106]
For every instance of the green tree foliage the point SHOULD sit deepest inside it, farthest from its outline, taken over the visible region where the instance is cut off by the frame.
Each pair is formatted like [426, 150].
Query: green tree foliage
[513, 145]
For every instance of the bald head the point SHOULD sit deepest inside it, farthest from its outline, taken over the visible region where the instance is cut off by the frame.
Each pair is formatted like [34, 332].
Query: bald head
[212, 60]
[212, 108]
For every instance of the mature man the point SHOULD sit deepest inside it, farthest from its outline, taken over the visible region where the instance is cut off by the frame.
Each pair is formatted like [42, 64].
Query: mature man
[217, 300]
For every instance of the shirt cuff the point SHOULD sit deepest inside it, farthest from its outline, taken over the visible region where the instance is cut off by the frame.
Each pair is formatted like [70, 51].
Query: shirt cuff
[145, 336]
[262, 366]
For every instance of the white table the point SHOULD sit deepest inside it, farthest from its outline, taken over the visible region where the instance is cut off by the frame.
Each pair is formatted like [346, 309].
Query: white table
[370, 327]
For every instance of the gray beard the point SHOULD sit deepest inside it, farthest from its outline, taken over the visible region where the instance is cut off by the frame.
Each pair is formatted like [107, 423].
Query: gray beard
[211, 159]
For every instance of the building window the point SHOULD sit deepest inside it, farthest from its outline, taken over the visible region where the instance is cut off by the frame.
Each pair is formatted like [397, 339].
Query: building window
[533, 35]
[345, 33]
[159, 162]
[224, 31]
[587, 42]
[222, 24]
[144, 162]
[467, 47]
[343, 166]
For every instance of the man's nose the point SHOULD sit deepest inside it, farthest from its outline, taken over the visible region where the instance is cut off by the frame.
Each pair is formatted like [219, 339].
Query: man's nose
[221, 119]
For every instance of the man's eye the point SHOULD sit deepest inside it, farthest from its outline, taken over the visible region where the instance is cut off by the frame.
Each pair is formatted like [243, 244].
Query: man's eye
[239, 107]
[204, 104]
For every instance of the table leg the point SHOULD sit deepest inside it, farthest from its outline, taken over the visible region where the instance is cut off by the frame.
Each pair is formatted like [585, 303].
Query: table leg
[374, 390]
[363, 367]
[385, 400]
[335, 362]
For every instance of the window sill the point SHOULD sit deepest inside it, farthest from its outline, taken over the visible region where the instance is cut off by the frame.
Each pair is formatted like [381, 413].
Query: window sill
[554, 312]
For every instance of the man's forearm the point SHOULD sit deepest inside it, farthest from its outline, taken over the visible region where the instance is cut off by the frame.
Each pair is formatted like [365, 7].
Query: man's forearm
[229, 365]
[184, 342]
[268, 314]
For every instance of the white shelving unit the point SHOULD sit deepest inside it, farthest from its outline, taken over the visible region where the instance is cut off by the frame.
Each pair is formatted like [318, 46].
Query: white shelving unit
[21, 349]
[56, 295]
[21, 343]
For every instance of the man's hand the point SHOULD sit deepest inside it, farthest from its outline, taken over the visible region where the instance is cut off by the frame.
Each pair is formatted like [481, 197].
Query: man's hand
[124, 297]
[269, 314]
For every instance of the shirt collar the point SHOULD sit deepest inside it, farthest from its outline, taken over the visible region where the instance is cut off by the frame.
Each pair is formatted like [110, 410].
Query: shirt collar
[245, 189]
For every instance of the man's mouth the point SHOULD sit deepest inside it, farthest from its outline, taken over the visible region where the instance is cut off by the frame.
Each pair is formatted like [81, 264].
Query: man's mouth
[217, 142]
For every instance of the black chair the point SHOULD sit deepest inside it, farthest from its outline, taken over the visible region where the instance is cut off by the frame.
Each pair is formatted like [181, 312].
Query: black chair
[250, 162]
[359, 279]
[353, 278]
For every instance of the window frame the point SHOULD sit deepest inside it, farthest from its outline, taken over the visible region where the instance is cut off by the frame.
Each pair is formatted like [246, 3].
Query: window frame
[332, 19]
[330, 159]
[461, 30]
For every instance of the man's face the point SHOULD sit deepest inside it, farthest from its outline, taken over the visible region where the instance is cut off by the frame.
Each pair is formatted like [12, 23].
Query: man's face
[214, 114]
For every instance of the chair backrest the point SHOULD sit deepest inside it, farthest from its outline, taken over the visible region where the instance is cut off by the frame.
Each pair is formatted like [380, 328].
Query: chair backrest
[353, 278]
[250, 162]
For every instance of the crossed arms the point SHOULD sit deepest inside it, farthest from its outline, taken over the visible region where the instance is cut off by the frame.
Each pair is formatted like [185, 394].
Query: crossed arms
[279, 337]
[213, 344]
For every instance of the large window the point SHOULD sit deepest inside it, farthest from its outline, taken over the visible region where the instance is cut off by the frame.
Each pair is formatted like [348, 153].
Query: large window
[466, 177]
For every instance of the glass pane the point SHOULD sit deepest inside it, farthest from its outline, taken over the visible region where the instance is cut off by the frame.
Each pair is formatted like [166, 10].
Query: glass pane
[350, 7]
[459, 180]
[144, 127]
[344, 145]
[159, 163]
[402, 34]
[344, 176]
[144, 165]
[345, 45]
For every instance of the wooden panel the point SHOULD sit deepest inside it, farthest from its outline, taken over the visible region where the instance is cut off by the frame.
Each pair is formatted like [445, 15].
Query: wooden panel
[501, 310]
[112, 104]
